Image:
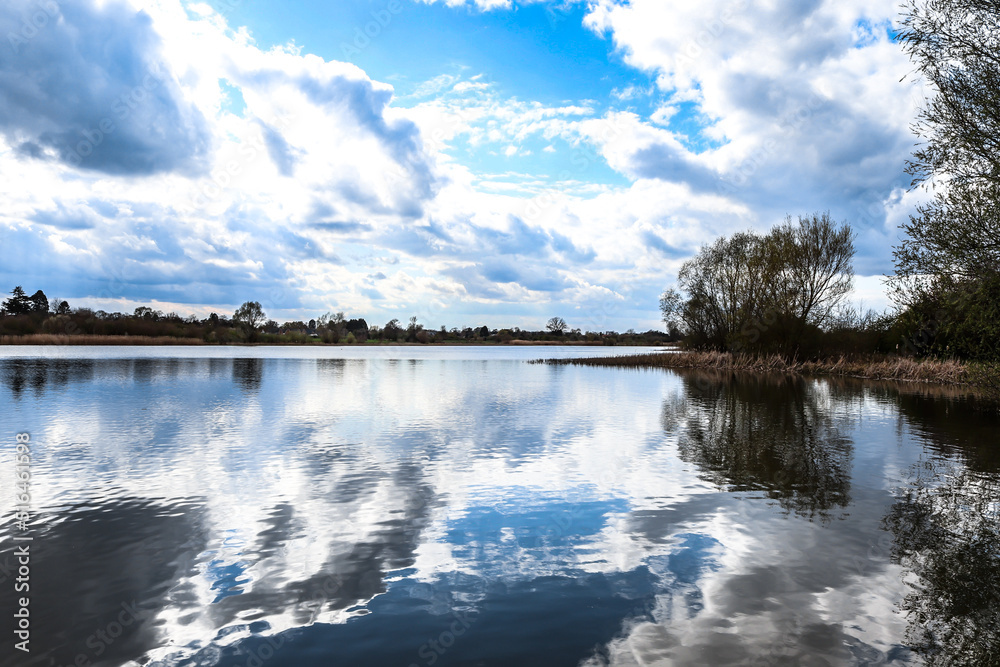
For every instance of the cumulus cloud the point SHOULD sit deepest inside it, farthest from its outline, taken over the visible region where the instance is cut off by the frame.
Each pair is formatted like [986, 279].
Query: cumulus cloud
[321, 183]
[799, 106]
[85, 84]
[232, 203]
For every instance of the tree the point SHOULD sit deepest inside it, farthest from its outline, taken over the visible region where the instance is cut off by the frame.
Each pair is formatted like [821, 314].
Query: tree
[413, 329]
[763, 292]
[62, 308]
[18, 303]
[249, 317]
[671, 309]
[955, 46]
[956, 236]
[951, 252]
[39, 302]
[391, 330]
[146, 313]
[556, 325]
[356, 326]
[815, 258]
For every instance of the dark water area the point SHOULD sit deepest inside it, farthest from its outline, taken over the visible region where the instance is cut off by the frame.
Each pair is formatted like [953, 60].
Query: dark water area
[443, 506]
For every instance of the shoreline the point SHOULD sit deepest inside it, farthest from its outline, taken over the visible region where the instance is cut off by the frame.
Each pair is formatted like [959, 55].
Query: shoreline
[897, 369]
[142, 341]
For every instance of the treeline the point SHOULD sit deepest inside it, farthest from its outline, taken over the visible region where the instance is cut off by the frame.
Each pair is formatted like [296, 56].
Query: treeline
[780, 292]
[22, 316]
[785, 293]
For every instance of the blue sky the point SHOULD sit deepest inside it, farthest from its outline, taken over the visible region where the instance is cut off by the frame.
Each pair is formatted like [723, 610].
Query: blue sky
[464, 161]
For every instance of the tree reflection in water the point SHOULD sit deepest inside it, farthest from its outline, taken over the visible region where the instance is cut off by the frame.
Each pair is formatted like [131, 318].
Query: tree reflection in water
[248, 374]
[947, 533]
[770, 433]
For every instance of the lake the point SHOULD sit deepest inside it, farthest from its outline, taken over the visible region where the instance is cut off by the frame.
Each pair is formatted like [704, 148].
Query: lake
[418, 506]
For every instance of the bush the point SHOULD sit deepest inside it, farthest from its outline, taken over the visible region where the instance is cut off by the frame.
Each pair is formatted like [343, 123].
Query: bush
[954, 319]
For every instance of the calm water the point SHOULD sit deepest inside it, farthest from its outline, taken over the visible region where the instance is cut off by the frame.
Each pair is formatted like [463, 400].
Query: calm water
[443, 506]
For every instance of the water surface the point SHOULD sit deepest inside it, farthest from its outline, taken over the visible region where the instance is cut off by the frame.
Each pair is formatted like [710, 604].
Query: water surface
[459, 506]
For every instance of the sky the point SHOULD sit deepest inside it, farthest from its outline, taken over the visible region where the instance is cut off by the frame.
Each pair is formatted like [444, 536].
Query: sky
[466, 162]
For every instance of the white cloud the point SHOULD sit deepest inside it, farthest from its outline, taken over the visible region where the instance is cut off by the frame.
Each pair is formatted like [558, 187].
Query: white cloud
[322, 180]
[482, 5]
[800, 107]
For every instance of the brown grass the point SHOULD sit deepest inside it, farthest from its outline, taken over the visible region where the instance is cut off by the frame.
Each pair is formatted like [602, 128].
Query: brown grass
[86, 339]
[899, 369]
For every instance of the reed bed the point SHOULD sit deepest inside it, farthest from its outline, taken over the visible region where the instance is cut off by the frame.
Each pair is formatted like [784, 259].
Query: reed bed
[87, 339]
[900, 369]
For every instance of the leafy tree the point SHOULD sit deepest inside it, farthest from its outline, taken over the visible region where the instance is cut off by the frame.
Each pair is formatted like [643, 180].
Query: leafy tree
[335, 325]
[356, 325]
[391, 330]
[39, 302]
[556, 325]
[413, 329]
[955, 45]
[951, 252]
[18, 303]
[249, 317]
[62, 308]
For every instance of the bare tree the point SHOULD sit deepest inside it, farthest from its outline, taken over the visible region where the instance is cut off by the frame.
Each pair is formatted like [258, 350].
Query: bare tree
[556, 325]
[745, 285]
[816, 271]
[955, 46]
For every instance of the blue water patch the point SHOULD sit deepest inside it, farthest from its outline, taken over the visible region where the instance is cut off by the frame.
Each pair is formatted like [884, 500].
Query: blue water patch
[228, 579]
[547, 621]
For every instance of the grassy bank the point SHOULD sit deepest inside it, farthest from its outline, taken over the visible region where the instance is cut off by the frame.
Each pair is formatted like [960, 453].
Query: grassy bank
[880, 367]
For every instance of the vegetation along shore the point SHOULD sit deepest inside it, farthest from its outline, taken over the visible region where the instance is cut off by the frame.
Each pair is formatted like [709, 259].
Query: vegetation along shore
[981, 375]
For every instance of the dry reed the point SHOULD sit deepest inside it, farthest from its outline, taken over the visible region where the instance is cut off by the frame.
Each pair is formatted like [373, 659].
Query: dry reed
[87, 339]
[900, 369]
